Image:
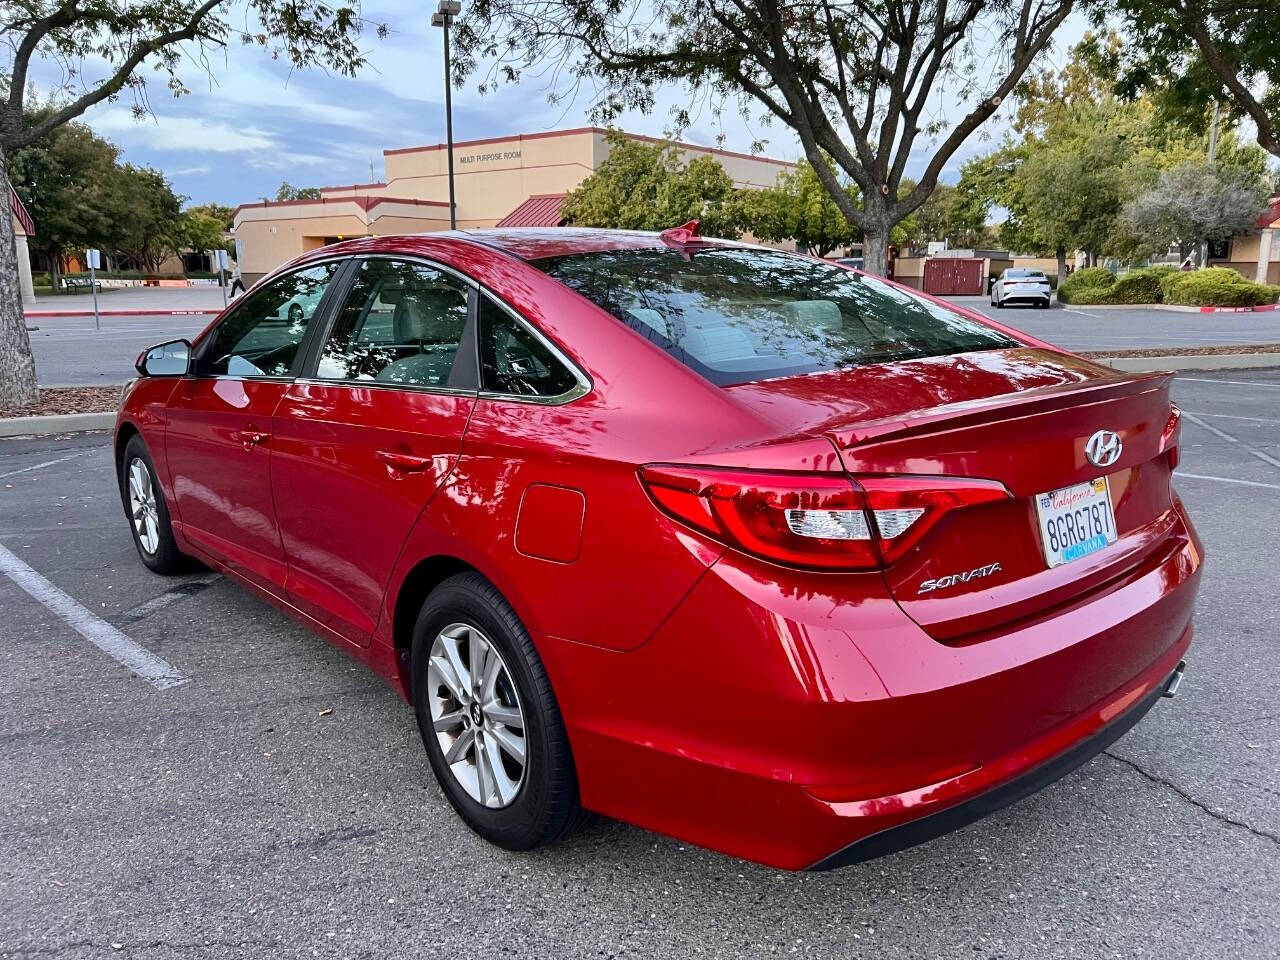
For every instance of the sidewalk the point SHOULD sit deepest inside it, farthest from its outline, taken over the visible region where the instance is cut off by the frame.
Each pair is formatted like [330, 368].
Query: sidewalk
[133, 301]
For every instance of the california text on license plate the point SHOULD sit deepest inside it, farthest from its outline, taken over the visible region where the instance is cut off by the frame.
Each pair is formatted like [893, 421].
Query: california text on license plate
[1075, 521]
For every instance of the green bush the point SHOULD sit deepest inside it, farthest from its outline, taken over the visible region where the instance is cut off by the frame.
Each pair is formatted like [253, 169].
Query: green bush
[1137, 286]
[1215, 287]
[1091, 277]
[1085, 296]
[1086, 286]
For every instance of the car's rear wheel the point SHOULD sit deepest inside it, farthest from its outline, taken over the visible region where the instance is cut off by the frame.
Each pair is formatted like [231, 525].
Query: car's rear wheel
[489, 718]
[148, 513]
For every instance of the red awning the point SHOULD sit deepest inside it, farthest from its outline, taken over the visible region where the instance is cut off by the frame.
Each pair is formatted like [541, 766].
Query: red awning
[540, 210]
[1270, 215]
[20, 211]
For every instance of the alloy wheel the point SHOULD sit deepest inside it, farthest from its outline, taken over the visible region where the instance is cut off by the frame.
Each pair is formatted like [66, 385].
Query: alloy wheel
[142, 506]
[476, 715]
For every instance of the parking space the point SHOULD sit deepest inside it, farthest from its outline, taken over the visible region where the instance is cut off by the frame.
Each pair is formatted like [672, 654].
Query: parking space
[279, 804]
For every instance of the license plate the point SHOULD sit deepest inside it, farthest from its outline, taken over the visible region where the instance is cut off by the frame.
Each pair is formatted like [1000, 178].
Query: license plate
[1075, 521]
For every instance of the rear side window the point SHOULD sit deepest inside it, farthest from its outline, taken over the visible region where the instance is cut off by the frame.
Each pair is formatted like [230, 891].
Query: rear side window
[402, 323]
[736, 315]
[513, 360]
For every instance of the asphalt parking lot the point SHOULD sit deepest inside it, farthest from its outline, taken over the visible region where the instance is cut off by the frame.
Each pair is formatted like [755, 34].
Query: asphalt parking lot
[1120, 328]
[278, 802]
[69, 351]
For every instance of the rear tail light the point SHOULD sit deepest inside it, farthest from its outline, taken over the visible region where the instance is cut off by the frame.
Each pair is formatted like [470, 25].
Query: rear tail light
[820, 521]
[1171, 438]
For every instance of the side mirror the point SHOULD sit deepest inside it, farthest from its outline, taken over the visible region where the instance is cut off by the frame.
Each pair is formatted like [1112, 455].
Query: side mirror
[170, 359]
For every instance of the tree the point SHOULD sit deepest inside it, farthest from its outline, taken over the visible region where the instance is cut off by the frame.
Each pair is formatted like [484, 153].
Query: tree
[199, 230]
[66, 181]
[642, 186]
[1083, 154]
[223, 214]
[797, 208]
[288, 191]
[1193, 52]
[856, 80]
[1195, 202]
[948, 217]
[124, 41]
[153, 228]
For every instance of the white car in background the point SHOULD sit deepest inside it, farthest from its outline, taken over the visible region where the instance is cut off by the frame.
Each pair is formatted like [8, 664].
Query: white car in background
[1021, 285]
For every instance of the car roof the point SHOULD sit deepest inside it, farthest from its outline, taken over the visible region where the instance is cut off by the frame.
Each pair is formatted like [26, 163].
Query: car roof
[534, 243]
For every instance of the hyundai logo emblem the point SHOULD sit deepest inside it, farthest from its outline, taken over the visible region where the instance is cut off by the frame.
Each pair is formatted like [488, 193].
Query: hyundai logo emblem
[1103, 448]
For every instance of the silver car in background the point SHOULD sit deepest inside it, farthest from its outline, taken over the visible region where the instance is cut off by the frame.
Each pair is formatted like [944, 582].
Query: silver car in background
[1021, 285]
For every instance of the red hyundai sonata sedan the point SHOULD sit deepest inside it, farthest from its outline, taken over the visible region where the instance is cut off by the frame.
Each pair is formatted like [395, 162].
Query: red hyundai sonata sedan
[737, 545]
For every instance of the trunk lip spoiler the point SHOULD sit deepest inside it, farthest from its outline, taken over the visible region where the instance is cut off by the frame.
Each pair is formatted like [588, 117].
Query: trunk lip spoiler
[971, 412]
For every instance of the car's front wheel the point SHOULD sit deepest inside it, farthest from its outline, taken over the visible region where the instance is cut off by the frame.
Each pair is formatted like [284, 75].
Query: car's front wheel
[148, 513]
[489, 718]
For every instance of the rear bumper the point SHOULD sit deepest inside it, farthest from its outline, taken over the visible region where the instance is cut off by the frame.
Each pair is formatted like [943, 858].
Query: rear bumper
[930, 826]
[810, 723]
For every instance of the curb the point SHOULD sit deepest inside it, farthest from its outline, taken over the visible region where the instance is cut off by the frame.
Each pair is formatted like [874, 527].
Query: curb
[56, 423]
[1170, 307]
[42, 314]
[1180, 362]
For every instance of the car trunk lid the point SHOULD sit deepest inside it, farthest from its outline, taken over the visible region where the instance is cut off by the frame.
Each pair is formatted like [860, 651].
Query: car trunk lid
[1030, 436]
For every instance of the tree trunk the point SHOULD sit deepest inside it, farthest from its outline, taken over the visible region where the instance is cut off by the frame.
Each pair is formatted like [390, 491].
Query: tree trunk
[18, 385]
[1062, 265]
[875, 252]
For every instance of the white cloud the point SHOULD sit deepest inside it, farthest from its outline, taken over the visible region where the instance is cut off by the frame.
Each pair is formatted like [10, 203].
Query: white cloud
[163, 132]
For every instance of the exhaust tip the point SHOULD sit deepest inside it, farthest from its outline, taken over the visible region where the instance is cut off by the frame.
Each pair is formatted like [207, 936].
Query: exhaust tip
[1175, 680]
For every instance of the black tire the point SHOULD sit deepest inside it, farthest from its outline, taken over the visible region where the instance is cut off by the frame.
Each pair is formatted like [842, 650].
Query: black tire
[546, 806]
[166, 559]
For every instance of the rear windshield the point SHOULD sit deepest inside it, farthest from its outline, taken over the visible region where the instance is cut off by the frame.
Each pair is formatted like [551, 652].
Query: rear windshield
[1023, 274]
[736, 315]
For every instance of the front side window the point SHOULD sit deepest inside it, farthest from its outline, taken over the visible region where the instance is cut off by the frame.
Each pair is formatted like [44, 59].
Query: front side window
[402, 323]
[513, 360]
[261, 338]
[736, 315]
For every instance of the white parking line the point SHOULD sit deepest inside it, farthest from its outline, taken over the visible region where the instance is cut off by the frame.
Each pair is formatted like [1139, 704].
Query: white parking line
[1081, 312]
[156, 671]
[41, 466]
[1247, 448]
[1244, 483]
[1228, 416]
[1240, 383]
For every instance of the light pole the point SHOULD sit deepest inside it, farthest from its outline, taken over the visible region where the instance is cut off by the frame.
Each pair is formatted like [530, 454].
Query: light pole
[443, 17]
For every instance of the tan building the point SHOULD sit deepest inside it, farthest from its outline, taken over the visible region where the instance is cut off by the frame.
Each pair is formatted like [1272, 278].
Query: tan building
[519, 180]
[1256, 256]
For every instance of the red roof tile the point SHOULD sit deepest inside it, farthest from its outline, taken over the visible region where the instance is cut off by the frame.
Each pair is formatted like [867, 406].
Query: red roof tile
[1270, 215]
[540, 210]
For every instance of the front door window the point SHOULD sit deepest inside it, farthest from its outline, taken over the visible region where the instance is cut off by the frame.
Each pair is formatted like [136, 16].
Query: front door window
[261, 338]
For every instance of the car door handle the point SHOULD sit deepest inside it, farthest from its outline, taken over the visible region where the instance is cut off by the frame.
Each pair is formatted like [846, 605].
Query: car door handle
[251, 438]
[404, 462]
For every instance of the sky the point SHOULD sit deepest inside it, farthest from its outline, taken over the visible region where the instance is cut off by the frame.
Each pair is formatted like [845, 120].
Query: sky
[250, 123]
